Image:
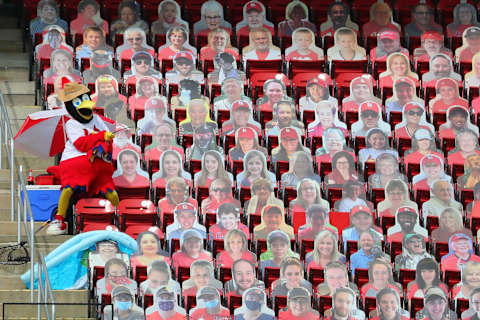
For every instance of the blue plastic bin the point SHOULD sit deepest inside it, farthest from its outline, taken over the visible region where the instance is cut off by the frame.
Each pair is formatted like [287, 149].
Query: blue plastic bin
[43, 200]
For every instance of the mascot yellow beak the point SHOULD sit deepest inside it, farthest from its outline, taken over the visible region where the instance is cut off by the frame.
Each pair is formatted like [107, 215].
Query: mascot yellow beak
[85, 109]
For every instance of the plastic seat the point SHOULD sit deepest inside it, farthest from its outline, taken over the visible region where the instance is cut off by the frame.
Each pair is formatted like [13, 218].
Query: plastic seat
[279, 302]
[360, 277]
[324, 303]
[348, 69]
[386, 222]
[416, 304]
[432, 224]
[133, 192]
[297, 67]
[93, 214]
[136, 215]
[264, 66]
[315, 276]
[140, 274]
[440, 249]
[225, 274]
[452, 277]
[234, 302]
[270, 275]
[405, 276]
[306, 246]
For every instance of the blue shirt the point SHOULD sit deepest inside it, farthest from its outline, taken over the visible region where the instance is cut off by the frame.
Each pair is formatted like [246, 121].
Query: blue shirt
[37, 25]
[359, 260]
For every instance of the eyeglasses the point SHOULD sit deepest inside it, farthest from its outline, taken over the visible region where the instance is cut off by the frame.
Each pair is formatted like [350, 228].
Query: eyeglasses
[212, 17]
[413, 113]
[369, 114]
[134, 39]
[139, 62]
[221, 190]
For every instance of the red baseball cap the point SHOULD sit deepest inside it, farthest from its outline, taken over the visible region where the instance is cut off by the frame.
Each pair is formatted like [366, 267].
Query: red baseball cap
[446, 82]
[154, 103]
[388, 34]
[369, 106]
[288, 133]
[364, 79]
[253, 5]
[246, 133]
[407, 210]
[412, 106]
[459, 236]
[181, 207]
[433, 35]
[183, 54]
[431, 159]
[360, 209]
[240, 104]
[320, 82]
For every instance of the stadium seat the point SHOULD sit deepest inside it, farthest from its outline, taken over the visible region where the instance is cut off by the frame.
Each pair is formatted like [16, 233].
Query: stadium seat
[93, 214]
[136, 215]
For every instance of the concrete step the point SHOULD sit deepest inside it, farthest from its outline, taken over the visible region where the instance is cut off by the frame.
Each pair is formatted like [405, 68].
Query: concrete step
[14, 73]
[17, 87]
[15, 59]
[21, 99]
[8, 22]
[13, 45]
[61, 296]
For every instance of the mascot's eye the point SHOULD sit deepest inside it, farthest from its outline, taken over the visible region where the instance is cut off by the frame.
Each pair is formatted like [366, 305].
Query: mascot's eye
[85, 97]
[76, 102]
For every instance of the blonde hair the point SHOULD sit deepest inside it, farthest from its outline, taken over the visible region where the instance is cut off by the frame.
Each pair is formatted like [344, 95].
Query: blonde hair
[335, 255]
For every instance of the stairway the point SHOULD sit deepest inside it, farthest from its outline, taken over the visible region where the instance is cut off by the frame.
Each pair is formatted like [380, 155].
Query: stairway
[19, 96]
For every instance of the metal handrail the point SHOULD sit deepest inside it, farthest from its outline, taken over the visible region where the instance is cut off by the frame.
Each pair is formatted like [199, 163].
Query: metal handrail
[24, 213]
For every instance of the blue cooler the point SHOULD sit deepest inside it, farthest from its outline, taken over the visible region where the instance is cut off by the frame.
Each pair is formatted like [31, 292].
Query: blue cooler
[43, 200]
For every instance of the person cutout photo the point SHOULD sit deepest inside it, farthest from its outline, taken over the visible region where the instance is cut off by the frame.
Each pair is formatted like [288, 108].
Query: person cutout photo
[389, 306]
[170, 166]
[236, 247]
[260, 46]
[129, 174]
[333, 142]
[290, 142]
[325, 250]
[116, 274]
[274, 91]
[273, 219]
[317, 220]
[353, 194]
[203, 140]
[156, 114]
[317, 90]
[466, 144]
[412, 120]
[345, 46]
[431, 170]
[61, 65]
[447, 95]
[291, 278]
[284, 115]
[441, 198]
[48, 13]
[262, 192]
[142, 64]
[53, 39]
[220, 192]
[149, 250]
[88, 15]
[100, 64]
[211, 19]
[254, 17]
[243, 278]
[338, 17]
[191, 249]
[386, 169]
[370, 248]
[168, 17]
[93, 39]
[470, 281]
[326, 116]
[296, 17]
[361, 90]
[376, 144]
[129, 16]
[212, 168]
[361, 219]
[464, 16]
[278, 249]
[343, 170]
[188, 90]
[422, 21]
[185, 218]
[165, 306]
[470, 46]
[336, 277]
[414, 249]
[246, 139]
[177, 41]
[208, 305]
[53, 102]
[458, 118]
[254, 306]
[396, 196]
[124, 306]
[300, 167]
[380, 276]
[232, 90]
[381, 18]
[423, 143]
[176, 192]
[123, 141]
[105, 250]
[224, 66]
[201, 276]
[158, 275]
[450, 222]
[197, 117]
[303, 45]
[108, 98]
[472, 78]
[369, 115]
[427, 275]
[471, 174]
[228, 218]
[388, 42]
[219, 41]
[254, 167]
[298, 306]
[344, 305]
[436, 306]
[406, 222]
[460, 251]
[241, 117]
[440, 66]
[398, 66]
[431, 44]
[403, 92]
[184, 68]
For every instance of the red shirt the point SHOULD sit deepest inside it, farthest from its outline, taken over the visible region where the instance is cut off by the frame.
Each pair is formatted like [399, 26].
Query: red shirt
[287, 315]
[457, 157]
[181, 259]
[415, 157]
[350, 106]
[139, 181]
[398, 237]
[167, 206]
[46, 50]
[201, 313]
[128, 53]
[441, 107]
[387, 81]
[176, 316]
[207, 53]
[166, 53]
[218, 232]
[452, 262]
[245, 30]
[154, 153]
[225, 260]
[403, 133]
[295, 55]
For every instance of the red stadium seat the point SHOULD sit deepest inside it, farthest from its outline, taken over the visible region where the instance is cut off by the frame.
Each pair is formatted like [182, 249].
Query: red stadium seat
[136, 215]
[93, 214]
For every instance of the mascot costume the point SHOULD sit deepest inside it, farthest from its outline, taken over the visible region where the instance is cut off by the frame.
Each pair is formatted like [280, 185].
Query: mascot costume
[86, 160]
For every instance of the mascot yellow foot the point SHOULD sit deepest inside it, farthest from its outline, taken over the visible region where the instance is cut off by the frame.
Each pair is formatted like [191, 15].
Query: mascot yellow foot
[58, 226]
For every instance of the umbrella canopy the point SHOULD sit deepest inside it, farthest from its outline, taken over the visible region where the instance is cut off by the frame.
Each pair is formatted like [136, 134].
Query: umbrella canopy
[43, 132]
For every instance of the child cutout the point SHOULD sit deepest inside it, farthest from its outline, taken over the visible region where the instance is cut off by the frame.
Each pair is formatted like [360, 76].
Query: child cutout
[246, 139]
[202, 275]
[303, 46]
[254, 167]
[191, 249]
[158, 275]
[116, 274]
[317, 220]
[212, 168]
[326, 116]
[353, 194]
[376, 144]
[278, 248]
[345, 46]
[185, 218]
[296, 17]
